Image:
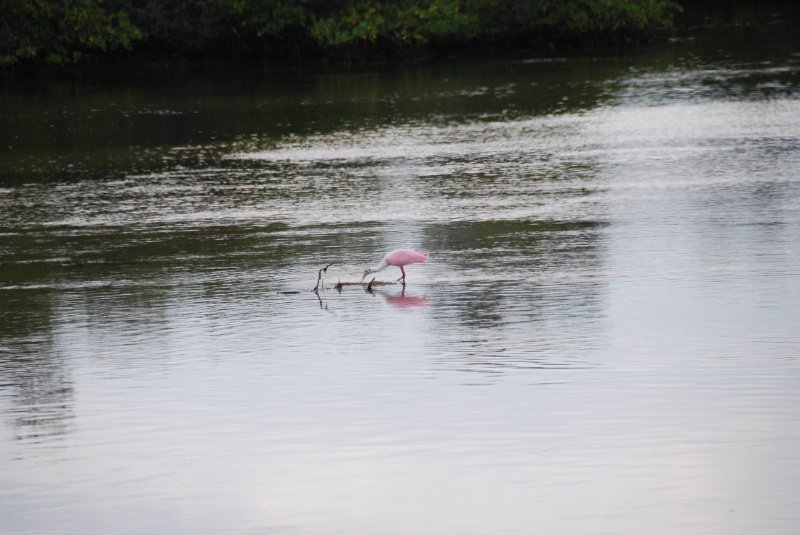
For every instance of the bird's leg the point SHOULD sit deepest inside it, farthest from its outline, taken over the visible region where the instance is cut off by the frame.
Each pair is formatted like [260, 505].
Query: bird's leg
[403, 278]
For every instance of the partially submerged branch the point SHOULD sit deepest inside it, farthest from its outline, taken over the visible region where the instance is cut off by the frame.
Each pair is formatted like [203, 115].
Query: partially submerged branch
[319, 277]
[339, 285]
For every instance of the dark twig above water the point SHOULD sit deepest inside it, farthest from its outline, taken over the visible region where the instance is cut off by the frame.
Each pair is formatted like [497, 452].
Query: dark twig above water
[319, 278]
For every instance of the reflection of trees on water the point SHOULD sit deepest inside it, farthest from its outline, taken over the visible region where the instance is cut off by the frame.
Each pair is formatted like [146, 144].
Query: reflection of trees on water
[32, 375]
[95, 289]
[522, 294]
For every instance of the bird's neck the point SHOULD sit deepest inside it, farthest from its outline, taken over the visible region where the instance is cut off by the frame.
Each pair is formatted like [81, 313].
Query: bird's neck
[382, 265]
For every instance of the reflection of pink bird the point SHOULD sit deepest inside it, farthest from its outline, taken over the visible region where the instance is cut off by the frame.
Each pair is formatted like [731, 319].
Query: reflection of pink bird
[405, 302]
[399, 258]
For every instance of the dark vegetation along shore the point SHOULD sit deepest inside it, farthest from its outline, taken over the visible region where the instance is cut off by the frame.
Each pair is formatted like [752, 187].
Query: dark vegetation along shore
[52, 34]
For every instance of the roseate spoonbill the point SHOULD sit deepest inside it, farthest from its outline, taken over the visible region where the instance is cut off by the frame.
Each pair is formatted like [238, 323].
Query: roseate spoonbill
[399, 258]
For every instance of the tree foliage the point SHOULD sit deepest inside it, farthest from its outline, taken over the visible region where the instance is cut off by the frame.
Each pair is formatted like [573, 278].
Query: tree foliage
[594, 16]
[64, 31]
[398, 24]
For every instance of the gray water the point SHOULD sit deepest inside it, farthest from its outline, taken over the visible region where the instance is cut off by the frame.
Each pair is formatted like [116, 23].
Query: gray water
[604, 340]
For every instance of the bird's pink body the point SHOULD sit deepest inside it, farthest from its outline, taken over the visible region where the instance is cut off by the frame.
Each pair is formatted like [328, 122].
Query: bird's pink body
[403, 257]
[399, 258]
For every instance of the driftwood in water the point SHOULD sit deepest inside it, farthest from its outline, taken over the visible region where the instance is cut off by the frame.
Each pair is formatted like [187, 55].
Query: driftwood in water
[339, 285]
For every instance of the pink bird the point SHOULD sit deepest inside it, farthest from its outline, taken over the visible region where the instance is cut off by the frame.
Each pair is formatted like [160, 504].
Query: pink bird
[399, 258]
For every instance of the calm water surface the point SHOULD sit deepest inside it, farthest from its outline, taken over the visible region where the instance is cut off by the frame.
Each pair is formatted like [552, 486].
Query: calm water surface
[605, 338]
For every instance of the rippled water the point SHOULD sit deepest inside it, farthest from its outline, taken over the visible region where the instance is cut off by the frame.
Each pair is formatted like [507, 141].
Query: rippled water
[604, 339]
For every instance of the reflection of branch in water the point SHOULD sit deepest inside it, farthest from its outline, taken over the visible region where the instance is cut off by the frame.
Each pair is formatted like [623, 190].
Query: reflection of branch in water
[320, 302]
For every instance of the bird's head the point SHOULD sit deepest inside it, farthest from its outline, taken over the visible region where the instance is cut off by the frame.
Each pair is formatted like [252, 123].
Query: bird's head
[366, 272]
